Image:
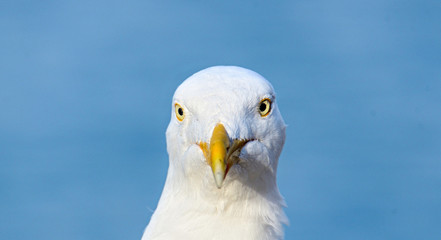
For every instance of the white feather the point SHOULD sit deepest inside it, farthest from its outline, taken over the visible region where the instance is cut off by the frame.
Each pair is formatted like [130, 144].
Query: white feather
[249, 205]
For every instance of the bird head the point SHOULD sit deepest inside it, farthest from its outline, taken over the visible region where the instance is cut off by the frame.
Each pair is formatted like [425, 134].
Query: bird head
[225, 122]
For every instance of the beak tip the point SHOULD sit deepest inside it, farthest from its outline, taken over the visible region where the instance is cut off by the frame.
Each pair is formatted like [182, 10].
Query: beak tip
[219, 179]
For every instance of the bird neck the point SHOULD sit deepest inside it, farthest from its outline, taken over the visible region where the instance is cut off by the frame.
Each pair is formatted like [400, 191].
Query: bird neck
[241, 209]
[257, 201]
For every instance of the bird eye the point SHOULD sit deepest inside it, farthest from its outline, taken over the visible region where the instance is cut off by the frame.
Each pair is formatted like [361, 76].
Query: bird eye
[265, 107]
[179, 112]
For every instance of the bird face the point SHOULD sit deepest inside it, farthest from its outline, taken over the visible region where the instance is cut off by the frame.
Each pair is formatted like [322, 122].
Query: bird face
[225, 119]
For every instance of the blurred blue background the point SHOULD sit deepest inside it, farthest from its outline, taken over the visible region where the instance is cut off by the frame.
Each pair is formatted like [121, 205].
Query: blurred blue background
[85, 95]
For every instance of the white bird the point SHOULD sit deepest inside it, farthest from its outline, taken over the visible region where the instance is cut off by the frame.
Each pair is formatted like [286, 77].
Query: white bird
[225, 124]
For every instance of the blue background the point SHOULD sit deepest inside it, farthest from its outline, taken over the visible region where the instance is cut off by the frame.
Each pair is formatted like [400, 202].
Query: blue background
[85, 98]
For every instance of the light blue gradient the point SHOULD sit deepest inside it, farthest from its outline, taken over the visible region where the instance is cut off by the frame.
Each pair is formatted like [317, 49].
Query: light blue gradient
[85, 98]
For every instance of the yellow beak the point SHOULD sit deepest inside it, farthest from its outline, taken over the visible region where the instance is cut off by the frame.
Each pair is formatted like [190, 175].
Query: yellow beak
[221, 154]
[219, 143]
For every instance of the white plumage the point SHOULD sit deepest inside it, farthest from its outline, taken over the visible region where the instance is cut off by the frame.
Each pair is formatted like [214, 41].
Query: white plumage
[242, 200]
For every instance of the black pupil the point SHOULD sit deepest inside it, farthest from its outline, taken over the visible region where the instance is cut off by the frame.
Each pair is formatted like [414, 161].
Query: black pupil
[180, 111]
[262, 107]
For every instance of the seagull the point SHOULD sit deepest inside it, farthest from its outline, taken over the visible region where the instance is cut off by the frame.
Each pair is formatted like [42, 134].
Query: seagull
[224, 140]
